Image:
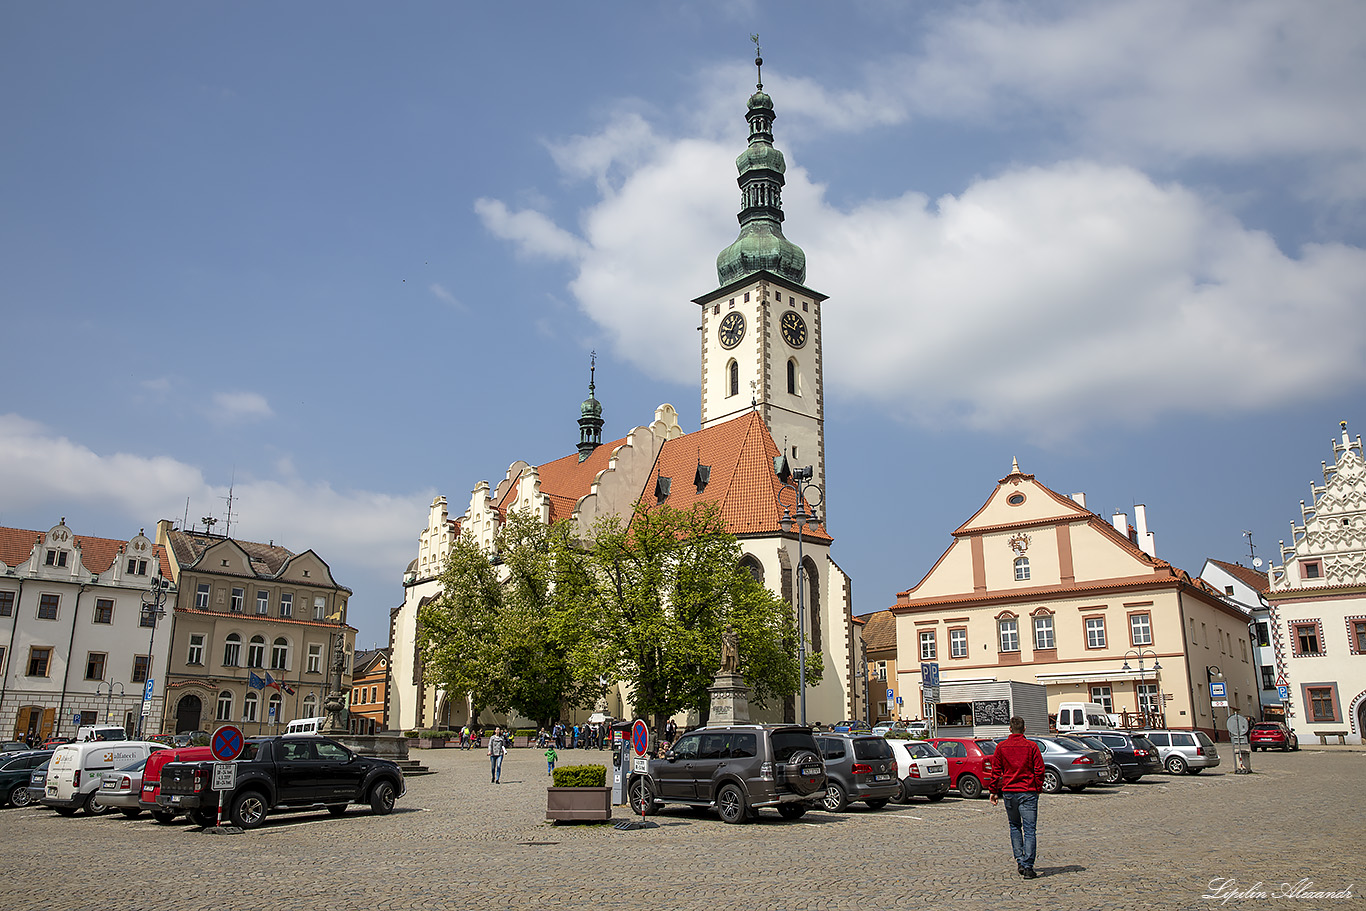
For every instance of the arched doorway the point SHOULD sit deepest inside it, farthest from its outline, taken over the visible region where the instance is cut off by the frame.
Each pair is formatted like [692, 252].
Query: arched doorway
[187, 713]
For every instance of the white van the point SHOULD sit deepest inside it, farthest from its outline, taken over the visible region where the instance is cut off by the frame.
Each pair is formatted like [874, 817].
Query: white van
[75, 770]
[100, 732]
[302, 727]
[1083, 716]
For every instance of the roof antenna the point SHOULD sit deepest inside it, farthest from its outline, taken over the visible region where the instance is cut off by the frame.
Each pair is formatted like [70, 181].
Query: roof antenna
[1251, 548]
[758, 60]
[227, 526]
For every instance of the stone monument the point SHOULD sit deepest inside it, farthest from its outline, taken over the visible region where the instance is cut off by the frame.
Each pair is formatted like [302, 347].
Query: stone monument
[729, 692]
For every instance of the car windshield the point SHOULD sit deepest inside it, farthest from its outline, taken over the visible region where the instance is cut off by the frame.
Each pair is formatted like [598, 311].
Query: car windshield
[922, 751]
[786, 743]
[1067, 743]
[1094, 743]
[1203, 739]
[1142, 742]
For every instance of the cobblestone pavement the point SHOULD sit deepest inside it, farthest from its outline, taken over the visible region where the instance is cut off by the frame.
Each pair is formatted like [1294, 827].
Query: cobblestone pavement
[457, 841]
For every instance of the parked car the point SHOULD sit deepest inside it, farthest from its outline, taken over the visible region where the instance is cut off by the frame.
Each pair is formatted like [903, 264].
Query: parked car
[1184, 751]
[850, 726]
[151, 777]
[15, 774]
[1267, 734]
[120, 789]
[1069, 764]
[923, 770]
[858, 767]
[37, 782]
[1131, 755]
[14, 746]
[54, 741]
[190, 738]
[737, 770]
[284, 774]
[969, 762]
[74, 775]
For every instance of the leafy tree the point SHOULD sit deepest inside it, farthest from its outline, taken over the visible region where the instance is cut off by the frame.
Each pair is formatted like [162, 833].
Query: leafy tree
[496, 632]
[651, 599]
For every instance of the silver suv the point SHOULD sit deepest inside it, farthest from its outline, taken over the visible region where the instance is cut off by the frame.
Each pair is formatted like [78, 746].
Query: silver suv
[1184, 751]
[736, 769]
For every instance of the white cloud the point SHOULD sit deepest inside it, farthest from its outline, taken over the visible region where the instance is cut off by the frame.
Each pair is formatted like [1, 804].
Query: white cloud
[240, 406]
[533, 233]
[446, 297]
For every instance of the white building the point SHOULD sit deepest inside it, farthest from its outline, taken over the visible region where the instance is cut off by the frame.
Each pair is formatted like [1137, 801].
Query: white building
[1246, 588]
[76, 646]
[1318, 603]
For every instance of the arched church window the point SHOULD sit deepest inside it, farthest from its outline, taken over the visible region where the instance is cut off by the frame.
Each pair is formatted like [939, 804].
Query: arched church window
[793, 388]
[753, 567]
[733, 382]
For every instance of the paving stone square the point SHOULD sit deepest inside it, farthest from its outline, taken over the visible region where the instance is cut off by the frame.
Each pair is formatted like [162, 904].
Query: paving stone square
[457, 841]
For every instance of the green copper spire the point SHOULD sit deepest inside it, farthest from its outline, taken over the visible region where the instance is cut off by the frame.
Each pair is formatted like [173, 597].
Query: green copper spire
[590, 420]
[761, 244]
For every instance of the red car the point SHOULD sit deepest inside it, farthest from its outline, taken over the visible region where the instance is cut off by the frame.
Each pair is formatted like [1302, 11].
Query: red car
[1267, 734]
[969, 762]
[151, 777]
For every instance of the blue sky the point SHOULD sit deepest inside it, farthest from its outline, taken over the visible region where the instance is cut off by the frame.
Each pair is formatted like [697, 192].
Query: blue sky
[354, 255]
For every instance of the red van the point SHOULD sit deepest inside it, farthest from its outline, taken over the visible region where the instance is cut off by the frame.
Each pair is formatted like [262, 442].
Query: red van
[151, 777]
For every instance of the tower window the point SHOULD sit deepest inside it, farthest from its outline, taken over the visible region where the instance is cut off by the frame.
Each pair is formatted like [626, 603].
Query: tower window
[746, 297]
[804, 305]
[734, 381]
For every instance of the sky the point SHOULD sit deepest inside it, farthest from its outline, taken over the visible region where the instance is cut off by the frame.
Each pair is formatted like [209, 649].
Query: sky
[341, 257]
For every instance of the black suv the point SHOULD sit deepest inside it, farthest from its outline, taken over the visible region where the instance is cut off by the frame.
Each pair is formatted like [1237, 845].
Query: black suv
[737, 769]
[858, 767]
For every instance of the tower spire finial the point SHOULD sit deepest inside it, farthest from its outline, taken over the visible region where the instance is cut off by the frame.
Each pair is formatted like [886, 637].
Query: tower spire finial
[758, 61]
[590, 413]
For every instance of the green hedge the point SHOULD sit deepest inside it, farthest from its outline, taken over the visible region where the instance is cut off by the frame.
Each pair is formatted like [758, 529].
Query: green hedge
[581, 776]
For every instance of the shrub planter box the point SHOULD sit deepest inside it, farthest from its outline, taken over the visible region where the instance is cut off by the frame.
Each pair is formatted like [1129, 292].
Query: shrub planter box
[578, 804]
[428, 743]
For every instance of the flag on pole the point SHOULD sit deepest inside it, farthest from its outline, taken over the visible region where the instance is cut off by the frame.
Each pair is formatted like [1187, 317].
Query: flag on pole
[255, 682]
[270, 681]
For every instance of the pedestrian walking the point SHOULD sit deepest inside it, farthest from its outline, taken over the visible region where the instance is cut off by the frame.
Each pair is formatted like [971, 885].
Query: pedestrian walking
[1017, 777]
[497, 749]
[550, 757]
[671, 731]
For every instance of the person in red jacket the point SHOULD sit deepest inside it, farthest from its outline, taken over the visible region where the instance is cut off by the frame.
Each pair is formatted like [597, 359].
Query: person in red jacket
[1017, 774]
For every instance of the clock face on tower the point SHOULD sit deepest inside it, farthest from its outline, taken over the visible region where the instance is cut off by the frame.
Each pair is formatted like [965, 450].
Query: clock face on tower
[794, 329]
[732, 329]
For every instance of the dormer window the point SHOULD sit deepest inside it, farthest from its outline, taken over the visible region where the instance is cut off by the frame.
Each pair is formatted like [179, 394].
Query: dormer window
[662, 486]
[56, 558]
[702, 477]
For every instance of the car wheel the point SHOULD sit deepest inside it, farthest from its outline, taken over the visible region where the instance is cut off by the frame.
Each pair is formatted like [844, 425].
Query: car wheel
[835, 798]
[1052, 783]
[382, 797]
[877, 803]
[163, 817]
[1176, 765]
[791, 810]
[1113, 775]
[20, 797]
[730, 804]
[93, 805]
[642, 797]
[969, 786]
[1296, 745]
[131, 812]
[249, 809]
[204, 818]
[337, 809]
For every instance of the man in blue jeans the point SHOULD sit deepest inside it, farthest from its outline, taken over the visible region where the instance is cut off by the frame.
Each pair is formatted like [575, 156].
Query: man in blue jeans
[497, 748]
[1017, 775]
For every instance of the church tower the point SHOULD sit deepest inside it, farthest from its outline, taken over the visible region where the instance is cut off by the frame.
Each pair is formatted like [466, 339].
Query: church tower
[761, 328]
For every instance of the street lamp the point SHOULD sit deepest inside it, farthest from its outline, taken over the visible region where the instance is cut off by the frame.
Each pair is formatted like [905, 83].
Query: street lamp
[107, 686]
[1144, 704]
[152, 611]
[807, 496]
[1212, 673]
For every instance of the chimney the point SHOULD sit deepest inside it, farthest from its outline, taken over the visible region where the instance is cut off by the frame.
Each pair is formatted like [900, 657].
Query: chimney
[1079, 499]
[1121, 523]
[1145, 540]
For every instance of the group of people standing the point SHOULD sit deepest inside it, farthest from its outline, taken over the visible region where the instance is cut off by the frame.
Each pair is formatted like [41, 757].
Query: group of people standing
[564, 736]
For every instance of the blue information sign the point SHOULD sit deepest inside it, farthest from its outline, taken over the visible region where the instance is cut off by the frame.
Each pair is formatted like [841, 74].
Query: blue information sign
[1218, 689]
[147, 690]
[929, 673]
[1283, 692]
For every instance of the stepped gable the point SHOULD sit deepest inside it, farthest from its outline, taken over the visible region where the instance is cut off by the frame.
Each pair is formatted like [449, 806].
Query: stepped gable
[1253, 578]
[739, 454]
[97, 554]
[564, 481]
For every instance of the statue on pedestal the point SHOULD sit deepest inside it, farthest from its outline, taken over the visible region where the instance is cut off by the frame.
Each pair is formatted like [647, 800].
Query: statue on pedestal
[730, 651]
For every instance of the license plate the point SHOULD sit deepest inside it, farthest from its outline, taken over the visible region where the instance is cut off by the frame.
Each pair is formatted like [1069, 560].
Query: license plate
[52, 791]
[882, 778]
[175, 799]
[810, 771]
[935, 769]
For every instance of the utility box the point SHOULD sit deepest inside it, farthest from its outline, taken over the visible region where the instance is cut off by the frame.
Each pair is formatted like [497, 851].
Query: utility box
[985, 709]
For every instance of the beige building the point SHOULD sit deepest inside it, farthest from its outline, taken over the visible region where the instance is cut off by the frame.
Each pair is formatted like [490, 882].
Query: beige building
[256, 635]
[1318, 604]
[1038, 589]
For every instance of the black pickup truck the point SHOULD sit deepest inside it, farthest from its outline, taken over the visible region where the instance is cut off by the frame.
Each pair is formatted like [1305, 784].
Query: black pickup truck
[283, 774]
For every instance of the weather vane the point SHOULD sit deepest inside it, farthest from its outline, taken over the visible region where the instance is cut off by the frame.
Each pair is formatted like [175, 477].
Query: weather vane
[758, 60]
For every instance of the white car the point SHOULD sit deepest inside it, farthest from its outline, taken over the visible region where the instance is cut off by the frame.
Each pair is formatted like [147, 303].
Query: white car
[924, 771]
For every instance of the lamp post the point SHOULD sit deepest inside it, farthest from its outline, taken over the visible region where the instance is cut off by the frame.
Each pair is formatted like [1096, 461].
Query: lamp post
[806, 496]
[107, 686]
[152, 611]
[1144, 705]
[1212, 673]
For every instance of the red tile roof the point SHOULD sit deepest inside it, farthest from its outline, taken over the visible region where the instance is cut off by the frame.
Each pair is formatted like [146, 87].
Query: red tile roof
[880, 632]
[1247, 575]
[740, 453]
[97, 554]
[565, 481]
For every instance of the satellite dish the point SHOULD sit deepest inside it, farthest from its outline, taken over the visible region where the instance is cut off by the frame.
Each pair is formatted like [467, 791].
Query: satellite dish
[1257, 561]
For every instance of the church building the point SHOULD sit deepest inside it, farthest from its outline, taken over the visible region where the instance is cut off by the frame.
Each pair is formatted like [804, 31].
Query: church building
[762, 397]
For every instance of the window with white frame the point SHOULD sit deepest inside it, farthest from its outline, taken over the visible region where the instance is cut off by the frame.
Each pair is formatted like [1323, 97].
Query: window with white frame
[201, 597]
[239, 597]
[310, 706]
[249, 705]
[319, 607]
[1104, 696]
[262, 601]
[286, 605]
[1043, 632]
[224, 712]
[1009, 631]
[1149, 699]
[232, 653]
[958, 643]
[273, 708]
[1021, 569]
[880, 671]
[1141, 629]
[256, 652]
[195, 655]
[315, 658]
[1095, 632]
[279, 654]
[927, 645]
